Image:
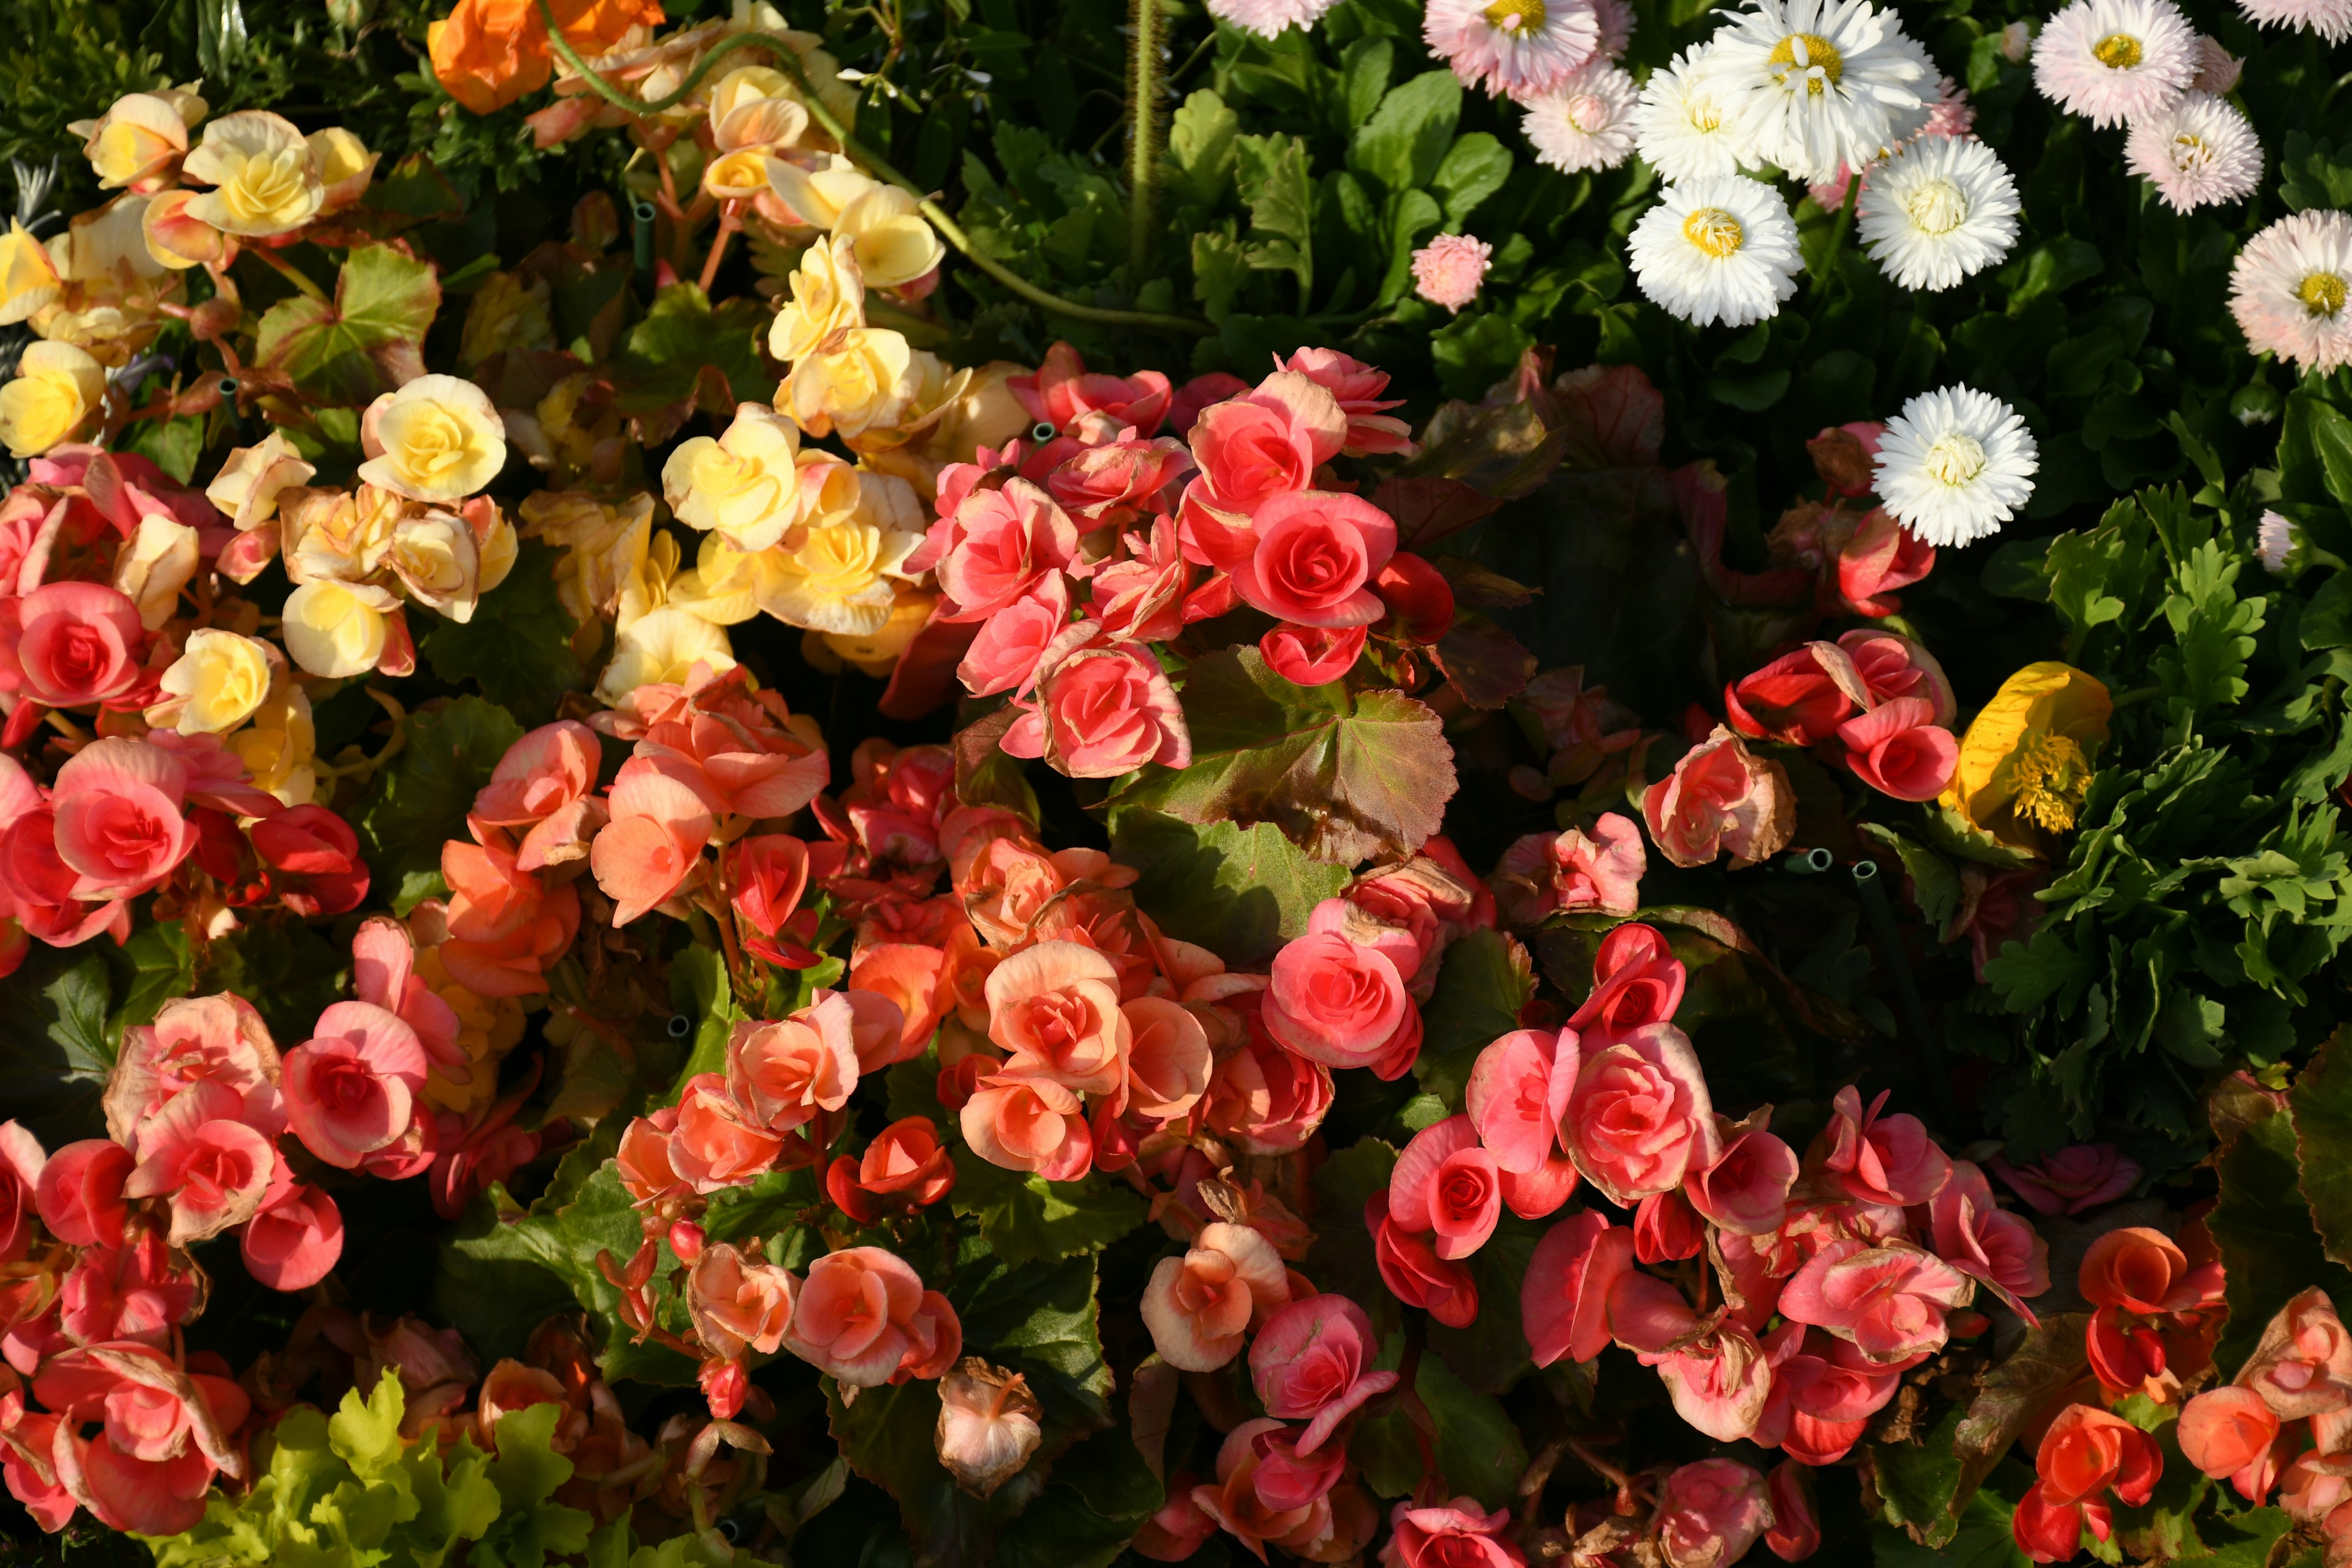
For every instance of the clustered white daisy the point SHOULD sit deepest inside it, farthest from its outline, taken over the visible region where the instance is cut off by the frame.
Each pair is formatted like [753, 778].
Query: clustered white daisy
[1722, 248]
[1939, 210]
[1954, 466]
[1812, 84]
[2199, 151]
[1585, 123]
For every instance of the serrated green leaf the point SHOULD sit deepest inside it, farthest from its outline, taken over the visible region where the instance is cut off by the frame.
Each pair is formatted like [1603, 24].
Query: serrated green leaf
[1240, 892]
[365, 1433]
[1201, 152]
[2270, 1247]
[1025, 1217]
[420, 802]
[1484, 979]
[368, 340]
[517, 647]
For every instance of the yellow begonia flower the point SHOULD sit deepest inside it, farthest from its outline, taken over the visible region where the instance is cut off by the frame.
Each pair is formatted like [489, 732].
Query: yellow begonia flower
[28, 276]
[860, 380]
[819, 195]
[662, 647]
[265, 175]
[756, 108]
[337, 629]
[173, 238]
[895, 245]
[603, 546]
[438, 438]
[345, 166]
[139, 142]
[876, 652]
[56, 389]
[743, 485]
[248, 486]
[828, 297]
[150, 570]
[488, 1029]
[2026, 762]
[280, 747]
[219, 681]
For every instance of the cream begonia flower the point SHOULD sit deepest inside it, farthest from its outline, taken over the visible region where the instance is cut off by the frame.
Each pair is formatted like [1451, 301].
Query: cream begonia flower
[756, 106]
[603, 546]
[873, 653]
[337, 629]
[155, 564]
[280, 747]
[333, 536]
[28, 276]
[265, 178]
[745, 485]
[859, 380]
[828, 296]
[434, 555]
[175, 239]
[138, 144]
[894, 246]
[819, 196]
[248, 485]
[58, 387]
[662, 647]
[220, 680]
[438, 438]
[345, 166]
[836, 577]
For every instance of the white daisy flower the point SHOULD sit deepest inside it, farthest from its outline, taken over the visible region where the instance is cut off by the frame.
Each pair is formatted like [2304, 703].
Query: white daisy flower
[2113, 61]
[1939, 210]
[2197, 152]
[1722, 248]
[1681, 125]
[2274, 542]
[1816, 83]
[1585, 123]
[2290, 286]
[1954, 466]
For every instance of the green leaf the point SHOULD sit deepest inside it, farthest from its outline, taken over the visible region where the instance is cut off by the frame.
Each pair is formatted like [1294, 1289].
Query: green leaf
[1935, 885]
[1220, 271]
[1474, 168]
[1041, 1319]
[368, 340]
[287, 967]
[2322, 1101]
[1983, 1539]
[1099, 1496]
[1273, 174]
[1920, 1481]
[2240, 1539]
[420, 802]
[1478, 1447]
[1409, 135]
[160, 967]
[2311, 175]
[365, 1433]
[2012, 1393]
[1485, 979]
[1240, 892]
[1200, 150]
[2270, 1247]
[2215, 630]
[527, 1472]
[1345, 777]
[53, 1055]
[658, 370]
[1474, 352]
[1025, 1217]
[517, 647]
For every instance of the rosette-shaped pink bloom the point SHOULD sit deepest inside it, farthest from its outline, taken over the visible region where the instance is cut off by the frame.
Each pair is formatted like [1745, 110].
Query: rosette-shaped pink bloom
[544, 789]
[1564, 1298]
[1312, 655]
[1545, 873]
[1800, 698]
[506, 926]
[67, 645]
[1413, 1272]
[1637, 981]
[1005, 655]
[1666, 1229]
[1001, 546]
[717, 1144]
[313, 858]
[1899, 750]
[1987, 1243]
[1890, 668]
[1200, 1307]
[1639, 1118]
[1445, 1184]
[195, 1039]
[1028, 1124]
[1334, 1002]
[1747, 1190]
[1102, 709]
[2071, 1180]
[1054, 1010]
[1721, 798]
[1240, 1501]
[1889, 1300]
[1887, 1160]
[1180, 1529]
[1264, 443]
[863, 1313]
[737, 1303]
[1458, 1534]
[119, 825]
[1316, 554]
[21, 1160]
[654, 841]
[2314, 1486]
[905, 1168]
[211, 1168]
[78, 1191]
[1881, 556]
[642, 1162]
[27, 1439]
[2227, 1433]
[131, 1292]
[1719, 1379]
[296, 1238]
[1313, 1363]
[784, 1073]
[384, 971]
[1169, 1061]
[1119, 480]
[1517, 1093]
[1063, 391]
[350, 1088]
[166, 1433]
[1711, 1512]
[2144, 1271]
[1266, 1099]
[1141, 596]
[1357, 388]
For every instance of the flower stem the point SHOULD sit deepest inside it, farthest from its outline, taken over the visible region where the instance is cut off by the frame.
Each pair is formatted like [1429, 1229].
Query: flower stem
[1142, 136]
[288, 270]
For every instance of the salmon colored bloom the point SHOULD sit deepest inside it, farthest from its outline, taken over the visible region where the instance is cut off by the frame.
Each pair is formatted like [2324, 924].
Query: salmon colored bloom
[863, 1314]
[2227, 1433]
[737, 1303]
[350, 1089]
[1201, 1306]
[211, 1169]
[1054, 1008]
[784, 1073]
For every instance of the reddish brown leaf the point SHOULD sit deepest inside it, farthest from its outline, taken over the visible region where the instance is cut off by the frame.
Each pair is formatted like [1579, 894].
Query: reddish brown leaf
[1615, 418]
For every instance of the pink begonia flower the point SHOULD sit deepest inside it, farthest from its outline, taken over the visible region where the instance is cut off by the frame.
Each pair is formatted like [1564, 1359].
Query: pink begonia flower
[1799, 699]
[1637, 981]
[350, 1089]
[544, 786]
[862, 1315]
[1062, 390]
[314, 860]
[1517, 1093]
[1747, 1190]
[784, 1073]
[1666, 1229]
[1899, 750]
[1200, 1307]
[2071, 1180]
[1055, 1009]
[1457, 1534]
[1178, 1530]
[40, 887]
[68, 645]
[1721, 798]
[1332, 1528]
[118, 824]
[895, 1002]
[1888, 1160]
[2315, 1485]
[79, 1191]
[1028, 1124]
[1413, 1272]
[1372, 431]
[384, 971]
[195, 1039]
[715, 1143]
[1449, 270]
[1287, 1478]
[1638, 1118]
[213, 1169]
[1312, 655]
[296, 1239]
[1119, 480]
[1445, 1184]
[654, 841]
[27, 1439]
[2301, 1366]
[1101, 709]
[1795, 1532]
[1169, 1058]
[1890, 667]
[1889, 1300]
[131, 1292]
[167, 1431]
[1987, 1243]
[1536, 1194]
[1823, 1393]
[1141, 597]
[1564, 1296]
[1316, 554]
[999, 547]
[21, 1162]
[1005, 655]
[1719, 1379]
[1710, 1513]
[1251, 449]
[2227, 1433]
[739, 1303]
[1266, 1099]
[475, 1148]
[1542, 874]
[643, 1159]
[1313, 1363]
[1334, 1002]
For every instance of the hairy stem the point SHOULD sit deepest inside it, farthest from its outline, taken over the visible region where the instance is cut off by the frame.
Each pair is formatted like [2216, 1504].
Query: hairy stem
[1142, 136]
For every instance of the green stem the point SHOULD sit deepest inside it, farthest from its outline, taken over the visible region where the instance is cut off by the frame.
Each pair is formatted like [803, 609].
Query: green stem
[1837, 235]
[285, 269]
[1143, 136]
[788, 61]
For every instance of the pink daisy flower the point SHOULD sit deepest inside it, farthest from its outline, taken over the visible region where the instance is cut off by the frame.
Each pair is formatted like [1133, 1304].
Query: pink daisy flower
[2216, 68]
[1585, 123]
[1616, 19]
[2113, 61]
[1516, 47]
[2198, 153]
[1448, 269]
[2331, 19]
[2289, 289]
[1270, 18]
